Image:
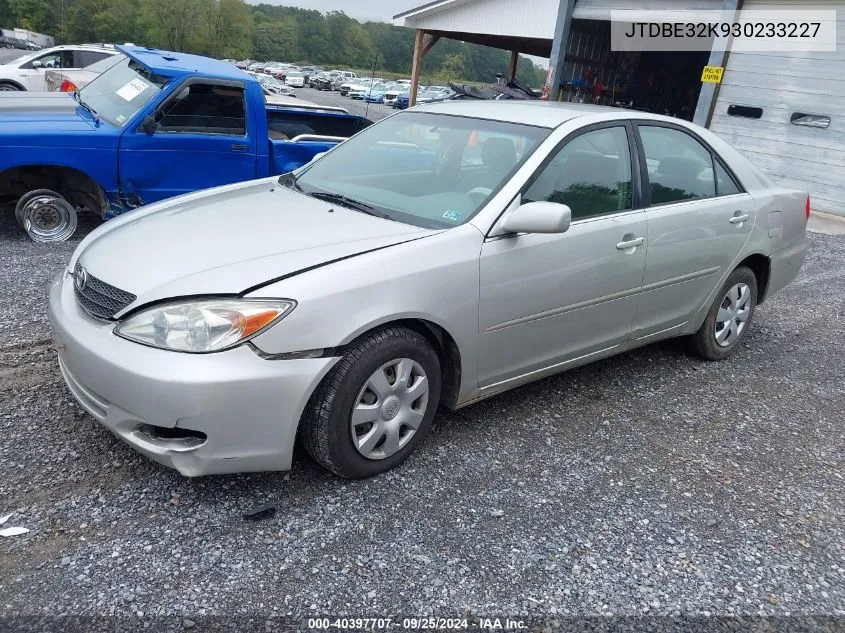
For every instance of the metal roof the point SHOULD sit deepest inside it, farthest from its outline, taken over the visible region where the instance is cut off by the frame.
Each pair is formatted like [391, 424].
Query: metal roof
[170, 64]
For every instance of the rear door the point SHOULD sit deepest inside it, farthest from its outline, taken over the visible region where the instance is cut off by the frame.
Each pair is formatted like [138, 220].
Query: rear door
[203, 138]
[699, 219]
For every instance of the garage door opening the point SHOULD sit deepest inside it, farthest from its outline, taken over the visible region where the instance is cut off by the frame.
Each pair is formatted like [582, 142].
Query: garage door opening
[659, 82]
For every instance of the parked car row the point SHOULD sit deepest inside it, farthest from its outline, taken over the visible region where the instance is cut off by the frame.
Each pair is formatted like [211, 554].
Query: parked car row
[18, 43]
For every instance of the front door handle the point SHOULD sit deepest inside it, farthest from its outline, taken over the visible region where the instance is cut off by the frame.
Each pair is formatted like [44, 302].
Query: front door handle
[739, 218]
[631, 243]
[240, 147]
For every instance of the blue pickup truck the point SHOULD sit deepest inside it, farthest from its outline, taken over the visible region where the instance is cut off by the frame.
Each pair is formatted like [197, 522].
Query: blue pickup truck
[156, 124]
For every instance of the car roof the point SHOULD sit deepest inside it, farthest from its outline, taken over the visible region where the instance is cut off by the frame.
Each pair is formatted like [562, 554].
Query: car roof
[548, 114]
[171, 64]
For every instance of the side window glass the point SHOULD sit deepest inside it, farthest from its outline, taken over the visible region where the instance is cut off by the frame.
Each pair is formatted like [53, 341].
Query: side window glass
[679, 167]
[591, 174]
[51, 60]
[83, 59]
[205, 109]
[725, 185]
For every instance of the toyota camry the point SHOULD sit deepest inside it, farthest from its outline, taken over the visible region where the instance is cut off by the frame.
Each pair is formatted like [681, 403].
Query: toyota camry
[444, 255]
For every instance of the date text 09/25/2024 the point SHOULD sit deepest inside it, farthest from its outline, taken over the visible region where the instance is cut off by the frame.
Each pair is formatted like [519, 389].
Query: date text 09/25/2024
[417, 624]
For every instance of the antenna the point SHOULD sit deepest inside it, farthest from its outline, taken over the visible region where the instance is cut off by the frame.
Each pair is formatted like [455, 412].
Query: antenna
[372, 80]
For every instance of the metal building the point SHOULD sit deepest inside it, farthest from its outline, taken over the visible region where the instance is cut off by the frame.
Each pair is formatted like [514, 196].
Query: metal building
[785, 111]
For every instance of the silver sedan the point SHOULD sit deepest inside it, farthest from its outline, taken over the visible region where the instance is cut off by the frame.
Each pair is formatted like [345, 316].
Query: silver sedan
[442, 256]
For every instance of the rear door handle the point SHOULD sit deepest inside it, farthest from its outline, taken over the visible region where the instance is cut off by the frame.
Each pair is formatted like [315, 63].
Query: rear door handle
[624, 246]
[740, 218]
[240, 147]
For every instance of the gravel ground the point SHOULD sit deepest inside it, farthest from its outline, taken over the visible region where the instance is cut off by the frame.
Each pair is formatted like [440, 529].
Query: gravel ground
[652, 483]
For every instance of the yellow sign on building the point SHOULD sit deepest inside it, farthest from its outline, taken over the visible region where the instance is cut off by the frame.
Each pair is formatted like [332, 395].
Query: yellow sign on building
[712, 74]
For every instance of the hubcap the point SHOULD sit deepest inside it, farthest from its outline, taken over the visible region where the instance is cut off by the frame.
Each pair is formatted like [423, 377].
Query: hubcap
[389, 408]
[733, 315]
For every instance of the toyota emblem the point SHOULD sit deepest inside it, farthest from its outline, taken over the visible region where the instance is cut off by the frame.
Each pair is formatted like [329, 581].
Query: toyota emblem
[80, 278]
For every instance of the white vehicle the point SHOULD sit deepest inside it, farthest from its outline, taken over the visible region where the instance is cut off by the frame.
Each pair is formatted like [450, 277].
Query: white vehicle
[401, 88]
[360, 88]
[61, 80]
[295, 79]
[28, 72]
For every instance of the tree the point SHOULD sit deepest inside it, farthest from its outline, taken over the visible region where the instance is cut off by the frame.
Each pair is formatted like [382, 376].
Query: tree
[35, 15]
[275, 41]
[172, 23]
[229, 29]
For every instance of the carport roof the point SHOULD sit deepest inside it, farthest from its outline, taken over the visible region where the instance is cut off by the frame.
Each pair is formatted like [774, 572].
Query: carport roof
[524, 25]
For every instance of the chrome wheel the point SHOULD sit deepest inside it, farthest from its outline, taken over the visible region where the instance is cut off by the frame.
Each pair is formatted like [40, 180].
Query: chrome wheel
[46, 217]
[389, 408]
[733, 315]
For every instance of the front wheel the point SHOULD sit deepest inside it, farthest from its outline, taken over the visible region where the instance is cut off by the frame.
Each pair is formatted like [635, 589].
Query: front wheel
[7, 87]
[376, 405]
[729, 317]
[46, 216]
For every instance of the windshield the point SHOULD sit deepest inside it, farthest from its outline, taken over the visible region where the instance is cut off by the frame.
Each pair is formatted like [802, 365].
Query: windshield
[120, 92]
[429, 170]
[294, 74]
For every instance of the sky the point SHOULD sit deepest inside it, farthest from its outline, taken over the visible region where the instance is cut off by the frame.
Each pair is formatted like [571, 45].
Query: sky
[383, 10]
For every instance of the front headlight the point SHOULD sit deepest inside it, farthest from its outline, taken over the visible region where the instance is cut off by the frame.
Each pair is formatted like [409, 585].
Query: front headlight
[203, 325]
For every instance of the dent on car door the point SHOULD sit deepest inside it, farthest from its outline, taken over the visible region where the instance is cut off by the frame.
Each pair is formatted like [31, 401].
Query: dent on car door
[547, 299]
[699, 220]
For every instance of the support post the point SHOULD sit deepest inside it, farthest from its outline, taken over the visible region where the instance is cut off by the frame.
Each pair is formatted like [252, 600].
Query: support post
[559, 45]
[719, 53]
[416, 67]
[513, 65]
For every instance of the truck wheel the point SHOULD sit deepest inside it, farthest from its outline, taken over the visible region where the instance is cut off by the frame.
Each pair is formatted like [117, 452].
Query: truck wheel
[46, 216]
[375, 406]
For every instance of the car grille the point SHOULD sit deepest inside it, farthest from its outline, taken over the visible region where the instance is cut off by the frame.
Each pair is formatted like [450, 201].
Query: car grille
[98, 298]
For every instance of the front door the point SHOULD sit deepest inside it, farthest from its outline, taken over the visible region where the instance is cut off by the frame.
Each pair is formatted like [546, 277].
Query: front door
[698, 222]
[549, 299]
[200, 140]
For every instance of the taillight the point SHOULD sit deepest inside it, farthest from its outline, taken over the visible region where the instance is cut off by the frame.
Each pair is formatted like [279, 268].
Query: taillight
[68, 86]
[807, 208]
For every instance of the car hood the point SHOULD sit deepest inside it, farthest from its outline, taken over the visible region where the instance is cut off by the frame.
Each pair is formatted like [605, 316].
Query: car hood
[232, 241]
[39, 114]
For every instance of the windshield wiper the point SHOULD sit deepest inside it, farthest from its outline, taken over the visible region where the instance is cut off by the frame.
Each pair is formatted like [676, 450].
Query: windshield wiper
[348, 202]
[89, 108]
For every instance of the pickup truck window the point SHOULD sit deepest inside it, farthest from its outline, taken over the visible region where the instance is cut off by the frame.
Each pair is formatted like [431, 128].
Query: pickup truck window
[205, 109]
[119, 93]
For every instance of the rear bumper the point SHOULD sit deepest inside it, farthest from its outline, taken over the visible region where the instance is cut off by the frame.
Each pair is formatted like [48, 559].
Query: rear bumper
[245, 409]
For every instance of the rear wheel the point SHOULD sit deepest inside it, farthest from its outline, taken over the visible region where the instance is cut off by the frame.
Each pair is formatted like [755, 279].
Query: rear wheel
[375, 406]
[729, 317]
[7, 87]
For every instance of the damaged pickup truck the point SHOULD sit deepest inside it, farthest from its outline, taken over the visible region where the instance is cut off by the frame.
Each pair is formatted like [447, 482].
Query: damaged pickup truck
[155, 125]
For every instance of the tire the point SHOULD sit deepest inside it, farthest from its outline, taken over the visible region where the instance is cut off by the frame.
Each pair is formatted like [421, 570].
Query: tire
[326, 428]
[5, 86]
[718, 338]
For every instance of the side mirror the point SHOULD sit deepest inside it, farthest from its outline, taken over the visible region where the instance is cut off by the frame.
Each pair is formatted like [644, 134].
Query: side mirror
[148, 125]
[37, 64]
[539, 217]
